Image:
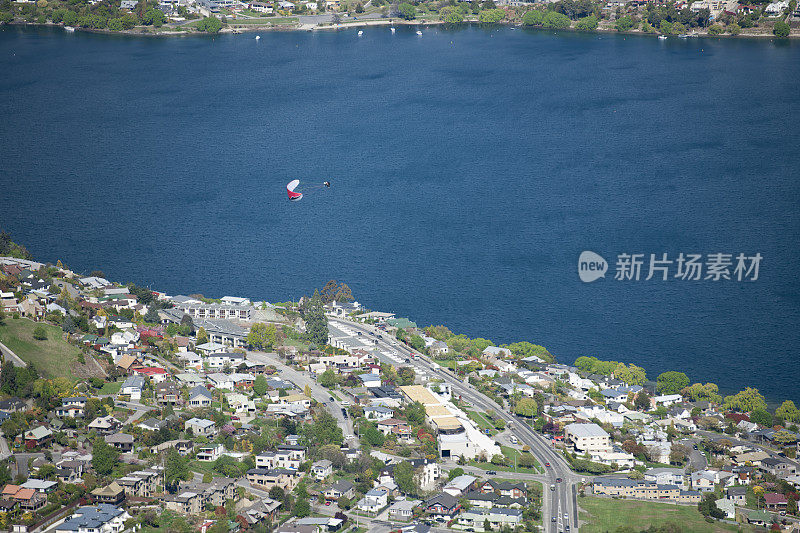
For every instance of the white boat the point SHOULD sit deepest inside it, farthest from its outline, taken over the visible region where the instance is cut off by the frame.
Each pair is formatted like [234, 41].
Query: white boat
[258, 37]
[662, 37]
[69, 29]
[360, 33]
[393, 30]
[419, 32]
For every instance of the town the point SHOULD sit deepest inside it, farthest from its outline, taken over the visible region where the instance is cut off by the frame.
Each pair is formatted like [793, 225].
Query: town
[124, 408]
[680, 18]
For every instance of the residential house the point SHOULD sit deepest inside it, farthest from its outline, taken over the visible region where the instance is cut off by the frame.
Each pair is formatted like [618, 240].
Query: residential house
[199, 397]
[374, 500]
[442, 506]
[103, 518]
[497, 518]
[587, 438]
[71, 407]
[378, 413]
[266, 478]
[200, 427]
[738, 495]
[775, 501]
[121, 441]
[211, 453]
[187, 502]
[112, 494]
[460, 485]
[133, 385]
[105, 425]
[322, 469]
[168, 393]
[665, 476]
[340, 489]
[403, 510]
[778, 467]
[37, 437]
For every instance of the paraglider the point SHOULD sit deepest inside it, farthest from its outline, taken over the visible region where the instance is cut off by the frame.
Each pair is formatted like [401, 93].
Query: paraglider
[295, 195]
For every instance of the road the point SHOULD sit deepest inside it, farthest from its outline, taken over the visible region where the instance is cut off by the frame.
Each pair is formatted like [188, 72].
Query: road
[697, 459]
[8, 355]
[318, 392]
[140, 409]
[561, 502]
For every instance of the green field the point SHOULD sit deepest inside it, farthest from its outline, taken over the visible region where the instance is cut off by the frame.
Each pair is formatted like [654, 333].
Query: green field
[53, 357]
[606, 515]
[110, 388]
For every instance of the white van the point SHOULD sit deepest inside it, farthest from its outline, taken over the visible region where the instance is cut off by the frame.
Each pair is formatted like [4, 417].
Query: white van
[513, 439]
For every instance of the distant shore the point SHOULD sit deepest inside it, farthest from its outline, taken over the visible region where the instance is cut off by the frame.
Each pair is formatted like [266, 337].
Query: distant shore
[233, 28]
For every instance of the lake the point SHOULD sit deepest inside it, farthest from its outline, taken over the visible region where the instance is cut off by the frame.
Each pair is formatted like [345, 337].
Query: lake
[470, 168]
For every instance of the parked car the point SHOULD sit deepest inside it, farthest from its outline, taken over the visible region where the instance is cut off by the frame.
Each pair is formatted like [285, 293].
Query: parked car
[559, 480]
[547, 464]
[491, 473]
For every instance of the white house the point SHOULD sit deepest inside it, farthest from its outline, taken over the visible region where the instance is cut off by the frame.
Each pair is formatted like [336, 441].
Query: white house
[200, 427]
[322, 469]
[374, 500]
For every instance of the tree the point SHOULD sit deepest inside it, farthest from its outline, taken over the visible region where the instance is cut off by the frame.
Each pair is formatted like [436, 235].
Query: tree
[262, 336]
[526, 407]
[491, 16]
[68, 325]
[624, 23]
[708, 506]
[533, 18]
[302, 508]
[715, 29]
[745, 401]
[671, 382]
[40, 333]
[316, 323]
[698, 392]
[487, 526]
[734, 29]
[677, 453]
[260, 385]
[104, 457]
[404, 477]
[406, 375]
[415, 413]
[587, 23]
[791, 505]
[642, 401]
[407, 11]
[176, 469]
[454, 473]
[451, 15]
[324, 430]
[187, 324]
[788, 411]
[276, 493]
[373, 436]
[210, 25]
[781, 29]
[202, 336]
[154, 17]
[328, 379]
[761, 417]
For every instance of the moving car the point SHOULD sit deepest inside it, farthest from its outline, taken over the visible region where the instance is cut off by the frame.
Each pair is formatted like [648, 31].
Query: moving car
[491, 473]
[547, 464]
[559, 480]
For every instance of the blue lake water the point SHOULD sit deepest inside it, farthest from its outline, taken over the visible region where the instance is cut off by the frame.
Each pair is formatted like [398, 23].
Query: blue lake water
[470, 168]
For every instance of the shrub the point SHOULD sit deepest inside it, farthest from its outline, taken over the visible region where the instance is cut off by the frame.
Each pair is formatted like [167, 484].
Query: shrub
[781, 29]
[734, 29]
[39, 333]
[407, 11]
[556, 21]
[210, 25]
[715, 29]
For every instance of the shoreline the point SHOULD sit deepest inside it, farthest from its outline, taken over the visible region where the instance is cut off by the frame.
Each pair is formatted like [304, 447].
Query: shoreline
[234, 29]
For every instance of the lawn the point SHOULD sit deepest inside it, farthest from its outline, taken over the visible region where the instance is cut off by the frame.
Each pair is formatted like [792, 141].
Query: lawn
[446, 363]
[264, 22]
[480, 419]
[110, 388]
[53, 357]
[605, 514]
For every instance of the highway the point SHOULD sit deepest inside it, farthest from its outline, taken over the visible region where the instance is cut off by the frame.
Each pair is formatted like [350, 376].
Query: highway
[560, 503]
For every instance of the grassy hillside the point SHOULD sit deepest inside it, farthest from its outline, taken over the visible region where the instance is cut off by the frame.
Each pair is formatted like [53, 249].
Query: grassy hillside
[606, 515]
[53, 357]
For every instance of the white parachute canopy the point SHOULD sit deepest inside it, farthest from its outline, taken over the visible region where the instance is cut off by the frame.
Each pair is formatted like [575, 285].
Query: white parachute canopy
[290, 187]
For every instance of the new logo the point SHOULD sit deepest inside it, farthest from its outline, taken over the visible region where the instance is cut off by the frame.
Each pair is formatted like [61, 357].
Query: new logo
[591, 267]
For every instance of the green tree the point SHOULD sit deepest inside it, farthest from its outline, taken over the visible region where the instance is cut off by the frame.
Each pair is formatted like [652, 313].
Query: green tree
[316, 323]
[746, 400]
[176, 469]
[406, 375]
[415, 413]
[761, 417]
[262, 336]
[328, 379]
[491, 16]
[302, 509]
[734, 29]
[40, 333]
[708, 506]
[260, 385]
[533, 18]
[276, 493]
[202, 336]
[324, 430]
[404, 477]
[526, 407]
[454, 473]
[587, 23]
[154, 17]
[624, 23]
[781, 29]
[373, 436]
[210, 25]
[715, 29]
[788, 411]
[698, 392]
[671, 382]
[407, 11]
[451, 15]
[642, 401]
[104, 457]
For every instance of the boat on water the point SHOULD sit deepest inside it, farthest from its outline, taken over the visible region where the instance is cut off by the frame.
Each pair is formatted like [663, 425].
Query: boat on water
[258, 37]
[419, 32]
[684, 36]
[69, 29]
[393, 30]
[662, 37]
[360, 33]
